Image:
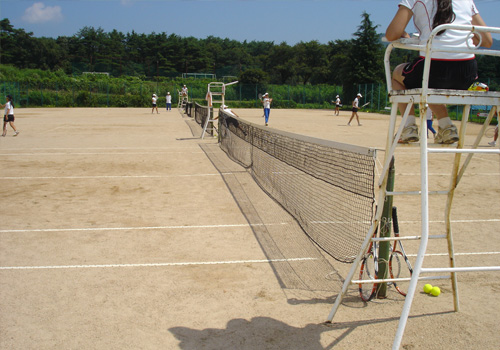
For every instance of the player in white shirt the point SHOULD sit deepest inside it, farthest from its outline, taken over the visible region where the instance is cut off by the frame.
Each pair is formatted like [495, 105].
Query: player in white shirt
[168, 100]
[337, 105]
[266, 101]
[154, 99]
[8, 117]
[355, 107]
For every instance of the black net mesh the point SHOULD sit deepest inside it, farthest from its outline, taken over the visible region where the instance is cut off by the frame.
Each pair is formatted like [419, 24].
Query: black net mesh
[328, 187]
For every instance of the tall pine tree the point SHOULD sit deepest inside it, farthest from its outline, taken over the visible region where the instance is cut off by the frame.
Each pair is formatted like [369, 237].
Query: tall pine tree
[365, 62]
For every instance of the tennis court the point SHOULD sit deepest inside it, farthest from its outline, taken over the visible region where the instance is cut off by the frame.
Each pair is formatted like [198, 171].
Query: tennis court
[123, 230]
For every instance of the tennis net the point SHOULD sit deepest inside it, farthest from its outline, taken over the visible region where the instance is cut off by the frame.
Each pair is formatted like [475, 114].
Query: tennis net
[328, 187]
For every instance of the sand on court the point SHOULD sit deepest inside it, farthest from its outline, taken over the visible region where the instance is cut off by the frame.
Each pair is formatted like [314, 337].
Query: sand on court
[123, 230]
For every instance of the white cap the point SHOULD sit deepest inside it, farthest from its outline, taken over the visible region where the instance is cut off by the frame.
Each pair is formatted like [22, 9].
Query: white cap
[359, 95]
[168, 93]
[337, 96]
[154, 95]
[266, 94]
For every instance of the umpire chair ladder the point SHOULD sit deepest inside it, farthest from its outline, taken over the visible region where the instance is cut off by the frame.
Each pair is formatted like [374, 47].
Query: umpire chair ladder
[423, 97]
[215, 95]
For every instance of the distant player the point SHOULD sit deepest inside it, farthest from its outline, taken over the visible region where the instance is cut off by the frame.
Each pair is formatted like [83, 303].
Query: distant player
[266, 102]
[168, 100]
[495, 137]
[153, 100]
[355, 107]
[430, 119]
[337, 105]
[8, 117]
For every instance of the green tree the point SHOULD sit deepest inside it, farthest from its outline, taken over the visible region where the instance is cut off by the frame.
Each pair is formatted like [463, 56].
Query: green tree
[365, 59]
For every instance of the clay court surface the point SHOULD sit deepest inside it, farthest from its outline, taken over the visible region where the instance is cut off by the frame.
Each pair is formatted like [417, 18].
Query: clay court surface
[121, 229]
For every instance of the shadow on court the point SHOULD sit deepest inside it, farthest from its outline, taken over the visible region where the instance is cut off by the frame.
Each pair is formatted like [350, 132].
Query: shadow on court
[295, 259]
[258, 333]
[269, 333]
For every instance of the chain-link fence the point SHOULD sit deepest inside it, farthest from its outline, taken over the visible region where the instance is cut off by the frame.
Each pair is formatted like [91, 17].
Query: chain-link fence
[113, 93]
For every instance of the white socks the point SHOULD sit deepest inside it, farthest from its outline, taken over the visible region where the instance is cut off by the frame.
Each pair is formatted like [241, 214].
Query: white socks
[444, 122]
[410, 121]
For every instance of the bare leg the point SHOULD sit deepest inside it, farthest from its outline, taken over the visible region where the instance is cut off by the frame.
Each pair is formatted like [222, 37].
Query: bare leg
[439, 111]
[352, 116]
[357, 119]
[397, 84]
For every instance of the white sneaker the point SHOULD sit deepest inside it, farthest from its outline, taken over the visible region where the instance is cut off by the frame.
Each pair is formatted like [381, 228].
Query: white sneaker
[409, 134]
[492, 143]
[447, 135]
[16, 133]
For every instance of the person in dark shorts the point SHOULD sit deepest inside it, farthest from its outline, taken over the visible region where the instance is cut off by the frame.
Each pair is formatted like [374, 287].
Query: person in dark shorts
[154, 100]
[337, 105]
[449, 70]
[355, 107]
[8, 117]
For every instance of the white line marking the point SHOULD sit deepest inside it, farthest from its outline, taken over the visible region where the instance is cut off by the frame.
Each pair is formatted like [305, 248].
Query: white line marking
[139, 228]
[105, 176]
[155, 264]
[456, 221]
[456, 254]
[447, 174]
[145, 228]
[96, 153]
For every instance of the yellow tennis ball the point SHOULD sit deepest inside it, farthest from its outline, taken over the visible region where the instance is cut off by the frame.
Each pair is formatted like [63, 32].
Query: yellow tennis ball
[435, 291]
[427, 288]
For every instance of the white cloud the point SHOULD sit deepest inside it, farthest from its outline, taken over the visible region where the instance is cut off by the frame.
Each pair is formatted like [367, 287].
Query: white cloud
[39, 13]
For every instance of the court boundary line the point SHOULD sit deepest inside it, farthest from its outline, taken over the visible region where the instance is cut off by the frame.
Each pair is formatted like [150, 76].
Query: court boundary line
[173, 227]
[198, 263]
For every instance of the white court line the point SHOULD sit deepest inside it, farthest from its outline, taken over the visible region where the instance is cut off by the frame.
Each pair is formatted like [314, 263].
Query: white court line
[105, 176]
[448, 174]
[97, 148]
[155, 264]
[98, 153]
[457, 254]
[146, 228]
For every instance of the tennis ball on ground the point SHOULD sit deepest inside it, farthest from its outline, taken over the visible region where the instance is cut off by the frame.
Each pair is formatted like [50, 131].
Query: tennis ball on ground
[435, 291]
[427, 288]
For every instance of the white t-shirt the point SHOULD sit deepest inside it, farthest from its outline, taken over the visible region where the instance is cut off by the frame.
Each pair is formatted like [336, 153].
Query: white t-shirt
[423, 16]
[337, 101]
[169, 98]
[355, 103]
[267, 102]
[154, 100]
[429, 114]
[9, 108]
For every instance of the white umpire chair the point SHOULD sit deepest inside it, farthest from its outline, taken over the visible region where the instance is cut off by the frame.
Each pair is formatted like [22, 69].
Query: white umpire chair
[423, 97]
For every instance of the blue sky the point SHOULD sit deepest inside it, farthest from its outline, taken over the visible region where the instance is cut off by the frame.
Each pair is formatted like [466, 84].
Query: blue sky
[291, 21]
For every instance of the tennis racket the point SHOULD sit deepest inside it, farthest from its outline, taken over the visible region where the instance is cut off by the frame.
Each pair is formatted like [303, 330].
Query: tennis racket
[399, 265]
[366, 104]
[368, 272]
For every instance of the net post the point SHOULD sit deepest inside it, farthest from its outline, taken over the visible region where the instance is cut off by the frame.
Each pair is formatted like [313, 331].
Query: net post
[385, 231]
